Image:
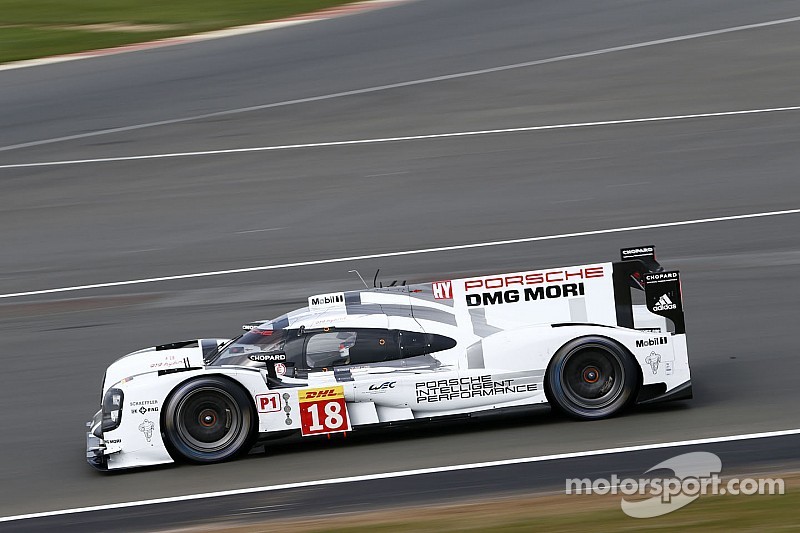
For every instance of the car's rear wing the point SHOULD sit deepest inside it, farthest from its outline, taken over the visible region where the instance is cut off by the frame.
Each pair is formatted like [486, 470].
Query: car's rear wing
[639, 269]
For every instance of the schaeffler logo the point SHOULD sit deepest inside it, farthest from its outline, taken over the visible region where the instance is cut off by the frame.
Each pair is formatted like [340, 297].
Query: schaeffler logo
[693, 474]
[664, 304]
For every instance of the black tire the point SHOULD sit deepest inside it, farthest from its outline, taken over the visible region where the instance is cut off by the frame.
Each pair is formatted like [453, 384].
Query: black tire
[209, 420]
[591, 378]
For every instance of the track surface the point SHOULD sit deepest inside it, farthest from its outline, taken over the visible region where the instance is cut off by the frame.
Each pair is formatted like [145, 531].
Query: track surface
[79, 224]
[740, 458]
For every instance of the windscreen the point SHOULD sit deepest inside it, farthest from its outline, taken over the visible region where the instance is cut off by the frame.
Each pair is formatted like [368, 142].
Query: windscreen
[252, 348]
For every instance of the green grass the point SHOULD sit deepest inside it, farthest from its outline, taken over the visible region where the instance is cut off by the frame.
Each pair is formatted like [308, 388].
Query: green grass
[741, 514]
[560, 513]
[39, 28]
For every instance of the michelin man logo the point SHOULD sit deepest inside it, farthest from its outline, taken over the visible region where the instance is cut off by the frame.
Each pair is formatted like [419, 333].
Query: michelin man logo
[147, 427]
[653, 360]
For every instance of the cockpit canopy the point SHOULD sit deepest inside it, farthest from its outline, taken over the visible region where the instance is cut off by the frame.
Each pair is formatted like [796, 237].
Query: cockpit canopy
[301, 350]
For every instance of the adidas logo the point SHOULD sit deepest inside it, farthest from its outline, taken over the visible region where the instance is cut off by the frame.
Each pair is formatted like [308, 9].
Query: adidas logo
[664, 304]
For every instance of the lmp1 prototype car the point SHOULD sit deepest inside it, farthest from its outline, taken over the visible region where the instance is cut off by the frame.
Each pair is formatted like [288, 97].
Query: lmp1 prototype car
[588, 339]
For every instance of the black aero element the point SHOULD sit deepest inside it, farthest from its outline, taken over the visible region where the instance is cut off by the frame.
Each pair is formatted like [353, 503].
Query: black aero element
[647, 393]
[176, 345]
[681, 392]
[208, 420]
[591, 377]
[656, 393]
[646, 254]
[415, 343]
[663, 297]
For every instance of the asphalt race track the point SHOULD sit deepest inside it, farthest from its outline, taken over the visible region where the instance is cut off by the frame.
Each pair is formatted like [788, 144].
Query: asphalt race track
[79, 223]
[404, 491]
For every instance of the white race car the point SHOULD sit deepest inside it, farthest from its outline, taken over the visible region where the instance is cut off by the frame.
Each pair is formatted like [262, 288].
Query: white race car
[589, 339]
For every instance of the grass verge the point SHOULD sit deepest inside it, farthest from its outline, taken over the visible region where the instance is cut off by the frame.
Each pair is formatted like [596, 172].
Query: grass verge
[50, 27]
[556, 513]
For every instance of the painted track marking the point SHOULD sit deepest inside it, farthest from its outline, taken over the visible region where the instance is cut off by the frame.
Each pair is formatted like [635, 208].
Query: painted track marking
[382, 140]
[407, 473]
[410, 83]
[405, 252]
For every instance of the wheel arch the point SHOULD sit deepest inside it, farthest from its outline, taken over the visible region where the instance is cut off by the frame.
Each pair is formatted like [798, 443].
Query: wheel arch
[585, 336]
[253, 433]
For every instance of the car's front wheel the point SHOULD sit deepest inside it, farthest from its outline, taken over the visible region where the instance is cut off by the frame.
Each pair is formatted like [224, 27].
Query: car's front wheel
[208, 420]
[591, 377]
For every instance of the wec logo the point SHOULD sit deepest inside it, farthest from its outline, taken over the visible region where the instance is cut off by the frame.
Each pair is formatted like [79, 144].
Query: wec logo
[382, 386]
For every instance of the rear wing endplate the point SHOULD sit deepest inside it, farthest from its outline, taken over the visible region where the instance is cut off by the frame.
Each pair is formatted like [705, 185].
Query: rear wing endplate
[640, 269]
[662, 293]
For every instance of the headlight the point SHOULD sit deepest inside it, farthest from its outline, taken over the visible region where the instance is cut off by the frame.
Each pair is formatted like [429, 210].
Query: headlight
[112, 409]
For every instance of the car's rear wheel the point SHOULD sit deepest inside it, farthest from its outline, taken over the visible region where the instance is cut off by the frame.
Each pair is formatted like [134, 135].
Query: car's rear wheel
[591, 377]
[208, 420]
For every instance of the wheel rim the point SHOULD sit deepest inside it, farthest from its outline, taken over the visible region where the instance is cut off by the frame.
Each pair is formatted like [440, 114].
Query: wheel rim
[208, 419]
[592, 377]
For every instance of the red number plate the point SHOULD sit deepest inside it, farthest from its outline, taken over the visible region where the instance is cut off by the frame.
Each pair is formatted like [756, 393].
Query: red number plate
[323, 410]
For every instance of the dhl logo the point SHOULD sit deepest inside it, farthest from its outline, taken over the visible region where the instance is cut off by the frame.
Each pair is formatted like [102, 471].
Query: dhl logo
[325, 393]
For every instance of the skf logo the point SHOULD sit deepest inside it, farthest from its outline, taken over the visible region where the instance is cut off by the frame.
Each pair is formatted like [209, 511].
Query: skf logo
[326, 393]
[443, 290]
[383, 386]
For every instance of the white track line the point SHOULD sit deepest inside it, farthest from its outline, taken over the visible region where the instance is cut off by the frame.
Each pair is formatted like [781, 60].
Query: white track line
[405, 252]
[410, 83]
[380, 140]
[407, 473]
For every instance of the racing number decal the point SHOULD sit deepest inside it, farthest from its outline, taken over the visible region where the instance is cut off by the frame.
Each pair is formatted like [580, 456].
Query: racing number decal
[323, 410]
